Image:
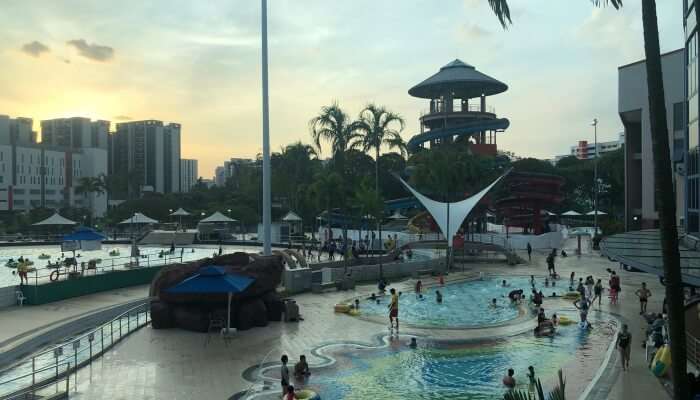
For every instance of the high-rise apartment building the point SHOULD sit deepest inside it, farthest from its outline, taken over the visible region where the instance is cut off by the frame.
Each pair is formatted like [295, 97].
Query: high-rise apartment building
[148, 151]
[188, 174]
[46, 174]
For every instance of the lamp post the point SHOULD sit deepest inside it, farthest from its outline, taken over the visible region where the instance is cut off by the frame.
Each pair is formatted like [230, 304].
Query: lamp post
[267, 207]
[595, 176]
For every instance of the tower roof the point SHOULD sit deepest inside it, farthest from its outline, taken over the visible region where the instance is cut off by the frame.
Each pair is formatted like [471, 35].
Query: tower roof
[459, 78]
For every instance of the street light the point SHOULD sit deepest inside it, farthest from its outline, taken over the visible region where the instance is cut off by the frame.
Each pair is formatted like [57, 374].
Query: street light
[595, 176]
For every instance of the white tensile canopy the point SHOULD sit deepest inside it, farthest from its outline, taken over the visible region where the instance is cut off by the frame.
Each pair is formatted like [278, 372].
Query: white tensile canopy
[180, 212]
[139, 218]
[217, 217]
[572, 213]
[397, 215]
[291, 217]
[598, 212]
[458, 211]
[55, 219]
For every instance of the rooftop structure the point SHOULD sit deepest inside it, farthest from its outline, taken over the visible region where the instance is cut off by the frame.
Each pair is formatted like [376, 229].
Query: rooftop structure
[452, 115]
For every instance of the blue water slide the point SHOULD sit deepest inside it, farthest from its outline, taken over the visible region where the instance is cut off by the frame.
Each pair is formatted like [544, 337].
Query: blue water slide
[466, 129]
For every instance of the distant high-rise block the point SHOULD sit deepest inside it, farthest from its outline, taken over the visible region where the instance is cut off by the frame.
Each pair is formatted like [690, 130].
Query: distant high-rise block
[188, 174]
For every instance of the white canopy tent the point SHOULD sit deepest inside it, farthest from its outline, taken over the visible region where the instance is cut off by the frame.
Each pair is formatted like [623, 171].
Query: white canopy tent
[180, 212]
[572, 213]
[397, 215]
[291, 217]
[138, 219]
[216, 218]
[594, 213]
[55, 219]
[451, 215]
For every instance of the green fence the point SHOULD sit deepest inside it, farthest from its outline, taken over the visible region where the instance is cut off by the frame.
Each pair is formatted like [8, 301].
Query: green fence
[82, 285]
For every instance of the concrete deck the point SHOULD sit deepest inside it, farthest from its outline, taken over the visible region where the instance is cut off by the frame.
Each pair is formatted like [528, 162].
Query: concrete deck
[176, 364]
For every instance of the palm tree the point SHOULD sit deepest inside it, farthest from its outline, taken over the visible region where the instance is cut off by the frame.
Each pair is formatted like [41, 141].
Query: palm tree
[335, 126]
[88, 185]
[663, 177]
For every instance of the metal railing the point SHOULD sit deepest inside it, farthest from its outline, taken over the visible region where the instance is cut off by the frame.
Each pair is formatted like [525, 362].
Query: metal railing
[57, 362]
[62, 271]
[692, 348]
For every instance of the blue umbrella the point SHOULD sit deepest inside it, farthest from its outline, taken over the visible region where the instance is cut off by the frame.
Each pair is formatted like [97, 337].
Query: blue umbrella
[83, 235]
[214, 279]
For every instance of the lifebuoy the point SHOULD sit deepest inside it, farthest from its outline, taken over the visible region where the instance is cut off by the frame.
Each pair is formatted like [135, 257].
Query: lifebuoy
[54, 276]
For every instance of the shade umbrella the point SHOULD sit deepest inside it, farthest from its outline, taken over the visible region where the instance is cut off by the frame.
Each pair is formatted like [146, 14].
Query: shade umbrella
[572, 213]
[179, 213]
[55, 219]
[215, 218]
[139, 218]
[214, 279]
[397, 215]
[596, 212]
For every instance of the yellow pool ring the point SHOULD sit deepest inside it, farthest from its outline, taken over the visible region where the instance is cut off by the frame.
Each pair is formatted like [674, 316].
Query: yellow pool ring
[306, 394]
[354, 312]
[662, 361]
[572, 296]
[341, 308]
[565, 321]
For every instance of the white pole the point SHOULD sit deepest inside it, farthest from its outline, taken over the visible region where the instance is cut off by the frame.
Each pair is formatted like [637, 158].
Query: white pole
[267, 209]
[595, 176]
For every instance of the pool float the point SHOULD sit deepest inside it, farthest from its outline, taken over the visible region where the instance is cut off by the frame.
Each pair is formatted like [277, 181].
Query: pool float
[114, 253]
[354, 312]
[662, 361]
[571, 296]
[306, 394]
[341, 308]
[11, 264]
[43, 256]
[565, 321]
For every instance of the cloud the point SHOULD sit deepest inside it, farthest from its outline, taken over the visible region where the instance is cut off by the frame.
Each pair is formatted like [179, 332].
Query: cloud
[92, 51]
[35, 49]
[122, 118]
[473, 31]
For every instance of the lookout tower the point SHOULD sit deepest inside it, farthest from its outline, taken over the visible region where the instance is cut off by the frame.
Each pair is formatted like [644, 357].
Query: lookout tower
[457, 95]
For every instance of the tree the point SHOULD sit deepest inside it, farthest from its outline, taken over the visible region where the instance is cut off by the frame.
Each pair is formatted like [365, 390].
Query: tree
[332, 124]
[88, 186]
[663, 178]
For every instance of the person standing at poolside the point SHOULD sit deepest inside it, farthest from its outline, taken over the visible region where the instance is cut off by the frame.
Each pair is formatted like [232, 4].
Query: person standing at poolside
[394, 310]
[571, 281]
[284, 374]
[531, 377]
[643, 293]
[529, 252]
[597, 292]
[624, 344]
[582, 305]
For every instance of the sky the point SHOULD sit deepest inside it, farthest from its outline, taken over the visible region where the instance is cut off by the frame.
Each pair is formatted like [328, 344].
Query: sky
[198, 64]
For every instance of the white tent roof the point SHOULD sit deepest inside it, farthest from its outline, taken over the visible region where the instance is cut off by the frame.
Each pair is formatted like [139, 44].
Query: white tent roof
[291, 217]
[548, 212]
[397, 215]
[139, 218]
[599, 213]
[180, 212]
[458, 210]
[571, 213]
[217, 217]
[56, 220]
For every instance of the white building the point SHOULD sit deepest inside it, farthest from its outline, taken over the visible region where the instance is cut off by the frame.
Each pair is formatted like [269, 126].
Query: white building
[46, 174]
[150, 151]
[633, 107]
[585, 150]
[188, 174]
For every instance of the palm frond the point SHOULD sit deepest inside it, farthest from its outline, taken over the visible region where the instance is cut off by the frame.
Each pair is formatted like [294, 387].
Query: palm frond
[502, 11]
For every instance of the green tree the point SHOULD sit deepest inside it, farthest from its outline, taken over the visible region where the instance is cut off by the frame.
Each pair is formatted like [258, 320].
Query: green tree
[333, 125]
[663, 178]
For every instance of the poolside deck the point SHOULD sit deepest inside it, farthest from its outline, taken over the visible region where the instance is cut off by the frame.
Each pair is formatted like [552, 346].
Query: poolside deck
[175, 364]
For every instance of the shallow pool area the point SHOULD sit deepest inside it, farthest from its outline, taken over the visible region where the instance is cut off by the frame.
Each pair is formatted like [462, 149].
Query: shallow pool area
[189, 253]
[459, 369]
[465, 304]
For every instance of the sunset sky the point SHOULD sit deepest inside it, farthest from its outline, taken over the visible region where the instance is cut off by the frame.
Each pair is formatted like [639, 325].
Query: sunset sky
[198, 63]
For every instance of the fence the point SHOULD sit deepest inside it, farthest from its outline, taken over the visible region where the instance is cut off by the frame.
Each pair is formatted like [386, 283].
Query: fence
[27, 378]
[692, 349]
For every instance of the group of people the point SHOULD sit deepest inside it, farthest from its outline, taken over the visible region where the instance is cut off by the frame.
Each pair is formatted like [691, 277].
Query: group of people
[509, 378]
[301, 373]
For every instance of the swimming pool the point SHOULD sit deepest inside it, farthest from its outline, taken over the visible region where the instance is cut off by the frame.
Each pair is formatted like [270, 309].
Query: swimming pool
[465, 304]
[7, 278]
[459, 370]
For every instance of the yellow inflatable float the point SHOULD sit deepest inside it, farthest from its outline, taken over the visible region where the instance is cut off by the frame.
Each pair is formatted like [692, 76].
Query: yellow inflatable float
[342, 308]
[306, 394]
[662, 361]
[354, 312]
[565, 321]
[571, 296]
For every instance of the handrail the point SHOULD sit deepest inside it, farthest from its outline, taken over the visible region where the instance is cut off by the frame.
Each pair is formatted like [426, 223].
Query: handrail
[24, 393]
[692, 343]
[75, 343]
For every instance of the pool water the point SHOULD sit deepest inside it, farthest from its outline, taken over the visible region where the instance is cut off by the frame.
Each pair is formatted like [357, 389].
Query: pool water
[7, 278]
[453, 370]
[464, 304]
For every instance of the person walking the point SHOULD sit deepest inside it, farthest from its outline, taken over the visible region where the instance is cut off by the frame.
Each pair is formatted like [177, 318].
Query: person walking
[394, 310]
[624, 344]
[284, 374]
[643, 293]
[597, 292]
[529, 252]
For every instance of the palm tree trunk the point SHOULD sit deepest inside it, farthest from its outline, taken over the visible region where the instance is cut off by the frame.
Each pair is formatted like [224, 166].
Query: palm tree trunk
[666, 199]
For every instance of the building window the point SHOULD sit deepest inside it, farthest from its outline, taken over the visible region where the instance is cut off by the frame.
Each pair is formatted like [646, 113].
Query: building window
[678, 120]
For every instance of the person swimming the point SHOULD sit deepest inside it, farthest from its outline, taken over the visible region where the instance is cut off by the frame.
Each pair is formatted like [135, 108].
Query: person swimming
[515, 295]
[438, 296]
[504, 283]
[493, 303]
